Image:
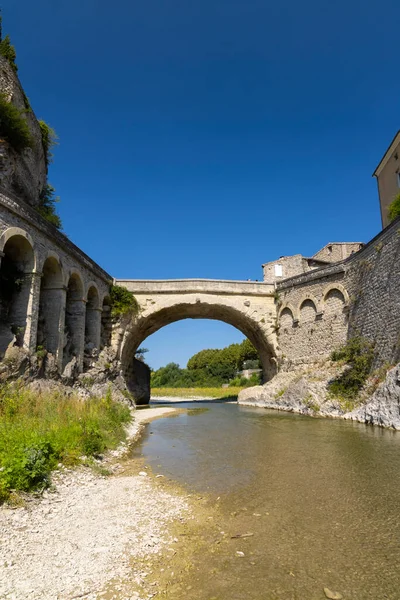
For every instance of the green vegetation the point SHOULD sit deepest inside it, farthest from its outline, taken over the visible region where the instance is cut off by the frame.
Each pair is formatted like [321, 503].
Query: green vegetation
[6, 48]
[394, 208]
[38, 431]
[211, 368]
[358, 354]
[13, 126]
[47, 208]
[49, 140]
[8, 51]
[217, 393]
[122, 302]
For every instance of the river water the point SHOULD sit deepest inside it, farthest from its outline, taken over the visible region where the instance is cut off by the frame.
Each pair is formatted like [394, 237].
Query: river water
[320, 497]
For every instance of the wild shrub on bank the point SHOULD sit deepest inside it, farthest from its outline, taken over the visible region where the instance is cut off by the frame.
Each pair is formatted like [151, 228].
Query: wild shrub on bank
[39, 431]
[358, 354]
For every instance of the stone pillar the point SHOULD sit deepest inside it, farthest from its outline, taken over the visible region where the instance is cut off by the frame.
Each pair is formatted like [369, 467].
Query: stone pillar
[93, 326]
[75, 330]
[52, 317]
[24, 311]
[33, 311]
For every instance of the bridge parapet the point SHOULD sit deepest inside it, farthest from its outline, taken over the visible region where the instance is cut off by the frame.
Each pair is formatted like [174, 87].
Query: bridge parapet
[205, 286]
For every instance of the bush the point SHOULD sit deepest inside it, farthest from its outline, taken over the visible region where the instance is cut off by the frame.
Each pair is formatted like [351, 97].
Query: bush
[394, 208]
[49, 139]
[8, 51]
[358, 353]
[13, 126]
[46, 207]
[122, 302]
[38, 431]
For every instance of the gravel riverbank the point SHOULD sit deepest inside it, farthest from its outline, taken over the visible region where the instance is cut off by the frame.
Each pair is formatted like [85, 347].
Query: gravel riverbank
[87, 534]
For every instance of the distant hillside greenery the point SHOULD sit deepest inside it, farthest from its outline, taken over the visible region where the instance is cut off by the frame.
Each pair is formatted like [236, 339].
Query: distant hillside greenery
[211, 368]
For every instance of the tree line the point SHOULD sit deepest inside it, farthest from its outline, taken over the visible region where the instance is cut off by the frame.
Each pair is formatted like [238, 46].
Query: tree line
[211, 368]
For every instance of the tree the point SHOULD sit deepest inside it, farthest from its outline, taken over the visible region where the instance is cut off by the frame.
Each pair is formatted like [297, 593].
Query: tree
[394, 208]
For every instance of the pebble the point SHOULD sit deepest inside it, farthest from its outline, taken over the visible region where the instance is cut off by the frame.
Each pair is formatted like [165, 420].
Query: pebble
[332, 595]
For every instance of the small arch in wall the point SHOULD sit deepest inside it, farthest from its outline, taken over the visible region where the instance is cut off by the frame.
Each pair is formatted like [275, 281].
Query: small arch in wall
[51, 305]
[17, 266]
[17, 232]
[308, 310]
[338, 289]
[287, 318]
[92, 321]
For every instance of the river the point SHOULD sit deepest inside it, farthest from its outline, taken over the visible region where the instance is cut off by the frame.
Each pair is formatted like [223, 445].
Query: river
[318, 501]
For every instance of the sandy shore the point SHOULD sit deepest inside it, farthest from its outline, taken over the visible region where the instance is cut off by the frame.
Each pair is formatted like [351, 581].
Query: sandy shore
[85, 537]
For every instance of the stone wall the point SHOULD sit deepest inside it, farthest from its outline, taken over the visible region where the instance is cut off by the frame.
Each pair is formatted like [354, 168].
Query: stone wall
[373, 283]
[51, 293]
[25, 173]
[359, 296]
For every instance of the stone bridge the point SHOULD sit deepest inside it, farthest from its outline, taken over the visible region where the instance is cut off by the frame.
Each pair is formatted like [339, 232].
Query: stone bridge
[248, 306]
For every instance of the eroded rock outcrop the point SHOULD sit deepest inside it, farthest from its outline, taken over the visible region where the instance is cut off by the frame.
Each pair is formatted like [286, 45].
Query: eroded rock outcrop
[306, 391]
[383, 407]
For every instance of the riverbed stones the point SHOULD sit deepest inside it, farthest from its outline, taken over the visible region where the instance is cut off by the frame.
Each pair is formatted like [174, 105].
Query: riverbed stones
[75, 540]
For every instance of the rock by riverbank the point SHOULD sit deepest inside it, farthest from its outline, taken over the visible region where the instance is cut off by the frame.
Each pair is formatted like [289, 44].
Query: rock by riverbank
[305, 391]
[87, 533]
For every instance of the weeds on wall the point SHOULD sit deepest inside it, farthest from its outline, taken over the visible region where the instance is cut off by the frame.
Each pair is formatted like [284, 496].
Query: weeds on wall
[13, 126]
[394, 208]
[123, 302]
[39, 431]
[46, 206]
[49, 140]
[358, 354]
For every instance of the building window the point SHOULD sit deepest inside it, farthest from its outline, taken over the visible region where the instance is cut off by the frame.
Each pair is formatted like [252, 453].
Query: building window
[278, 270]
[398, 178]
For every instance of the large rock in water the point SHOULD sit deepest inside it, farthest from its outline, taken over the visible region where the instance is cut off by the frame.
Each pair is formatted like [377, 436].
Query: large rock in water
[139, 382]
[383, 408]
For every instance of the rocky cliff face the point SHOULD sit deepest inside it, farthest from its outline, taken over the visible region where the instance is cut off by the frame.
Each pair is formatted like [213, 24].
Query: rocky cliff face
[23, 174]
[305, 391]
[383, 407]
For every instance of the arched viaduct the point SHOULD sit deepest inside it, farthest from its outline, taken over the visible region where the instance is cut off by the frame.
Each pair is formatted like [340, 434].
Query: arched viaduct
[52, 295]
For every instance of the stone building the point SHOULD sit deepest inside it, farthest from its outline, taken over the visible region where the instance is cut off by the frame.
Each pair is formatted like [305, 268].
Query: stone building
[289, 266]
[387, 174]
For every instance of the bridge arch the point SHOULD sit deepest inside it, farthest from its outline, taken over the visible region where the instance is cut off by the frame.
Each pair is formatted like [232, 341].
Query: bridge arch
[156, 314]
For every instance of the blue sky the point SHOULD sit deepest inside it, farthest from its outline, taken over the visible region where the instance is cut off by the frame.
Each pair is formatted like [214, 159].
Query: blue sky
[201, 139]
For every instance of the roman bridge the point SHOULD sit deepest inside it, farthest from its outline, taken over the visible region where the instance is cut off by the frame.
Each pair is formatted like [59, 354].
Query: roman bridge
[247, 305]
